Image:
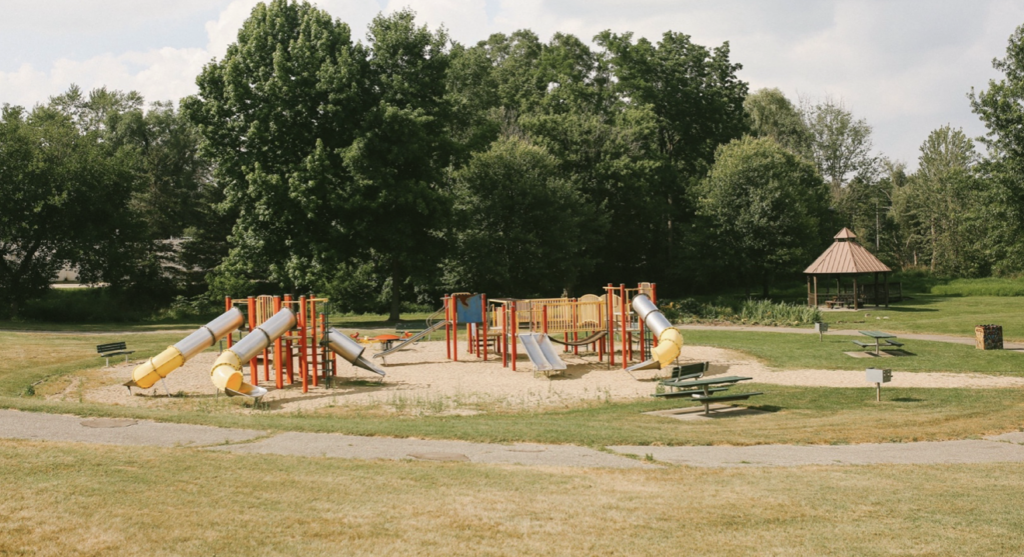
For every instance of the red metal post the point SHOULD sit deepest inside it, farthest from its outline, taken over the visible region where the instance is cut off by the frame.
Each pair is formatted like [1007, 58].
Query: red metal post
[575, 330]
[514, 339]
[625, 325]
[455, 330]
[314, 346]
[483, 305]
[503, 343]
[447, 328]
[303, 363]
[288, 353]
[253, 372]
[654, 300]
[278, 352]
[611, 324]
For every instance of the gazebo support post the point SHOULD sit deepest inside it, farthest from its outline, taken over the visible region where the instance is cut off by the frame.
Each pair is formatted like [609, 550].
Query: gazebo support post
[876, 289]
[855, 300]
[886, 275]
[809, 290]
[815, 290]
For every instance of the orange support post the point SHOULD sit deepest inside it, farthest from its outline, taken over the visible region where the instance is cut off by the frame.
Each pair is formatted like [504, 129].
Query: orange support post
[447, 328]
[503, 343]
[313, 344]
[278, 351]
[455, 331]
[575, 330]
[544, 317]
[254, 377]
[611, 324]
[483, 305]
[303, 363]
[288, 353]
[625, 325]
[514, 338]
[654, 300]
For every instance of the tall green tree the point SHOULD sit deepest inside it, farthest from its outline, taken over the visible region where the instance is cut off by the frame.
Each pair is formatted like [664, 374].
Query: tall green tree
[65, 193]
[520, 230]
[840, 144]
[276, 115]
[1001, 109]
[773, 115]
[396, 198]
[766, 206]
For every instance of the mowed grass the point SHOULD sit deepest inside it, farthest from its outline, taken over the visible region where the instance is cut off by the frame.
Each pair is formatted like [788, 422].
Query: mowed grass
[26, 358]
[67, 499]
[794, 415]
[938, 315]
[806, 351]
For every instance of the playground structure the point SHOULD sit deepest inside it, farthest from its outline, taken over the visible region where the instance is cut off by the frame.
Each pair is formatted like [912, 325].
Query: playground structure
[294, 333]
[624, 320]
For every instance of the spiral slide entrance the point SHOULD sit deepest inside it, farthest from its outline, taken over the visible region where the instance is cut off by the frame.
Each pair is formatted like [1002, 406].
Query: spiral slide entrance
[670, 340]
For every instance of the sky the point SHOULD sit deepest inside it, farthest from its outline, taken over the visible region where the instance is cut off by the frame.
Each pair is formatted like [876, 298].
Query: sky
[905, 66]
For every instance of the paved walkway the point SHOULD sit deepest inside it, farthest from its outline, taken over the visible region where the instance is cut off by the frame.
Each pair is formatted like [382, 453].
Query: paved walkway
[1008, 447]
[842, 332]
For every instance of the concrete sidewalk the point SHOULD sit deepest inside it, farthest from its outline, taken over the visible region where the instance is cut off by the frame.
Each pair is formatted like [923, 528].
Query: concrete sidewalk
[1008, 447]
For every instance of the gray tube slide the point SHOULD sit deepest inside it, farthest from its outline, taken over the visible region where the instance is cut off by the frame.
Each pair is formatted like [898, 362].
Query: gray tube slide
[351, 350]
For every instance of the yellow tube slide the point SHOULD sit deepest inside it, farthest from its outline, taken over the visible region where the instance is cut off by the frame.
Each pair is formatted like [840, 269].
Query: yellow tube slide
[226, 373]
[156, 368]
[670, 340]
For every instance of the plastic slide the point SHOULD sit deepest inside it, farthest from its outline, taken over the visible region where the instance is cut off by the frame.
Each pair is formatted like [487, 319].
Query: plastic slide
[226, 373]
[351, 350]
[540, 351]
[156, 368]
[670, 340]
[411, 339]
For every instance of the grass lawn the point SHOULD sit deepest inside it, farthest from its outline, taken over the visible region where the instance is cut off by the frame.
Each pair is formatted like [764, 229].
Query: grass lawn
[938, 314]
[68, 499]
[800, 351]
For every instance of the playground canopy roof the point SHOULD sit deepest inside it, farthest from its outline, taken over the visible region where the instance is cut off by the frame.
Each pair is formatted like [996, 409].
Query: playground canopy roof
[846, 257]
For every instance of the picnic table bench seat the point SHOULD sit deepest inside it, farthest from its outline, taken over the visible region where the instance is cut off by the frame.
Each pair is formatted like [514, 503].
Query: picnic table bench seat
[114, 349]
[892, 343]
[863, 344]
[690, 393]
[724, 398]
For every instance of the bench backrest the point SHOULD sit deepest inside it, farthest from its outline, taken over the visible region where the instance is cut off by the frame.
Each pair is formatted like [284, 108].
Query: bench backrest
[688, 369]
[112, 347]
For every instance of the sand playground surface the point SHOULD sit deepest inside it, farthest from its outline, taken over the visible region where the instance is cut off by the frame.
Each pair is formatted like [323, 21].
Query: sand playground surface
[421, 375]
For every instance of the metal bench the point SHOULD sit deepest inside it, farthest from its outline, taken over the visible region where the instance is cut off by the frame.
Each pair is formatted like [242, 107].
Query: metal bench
[704, 390]
[689, 371]
[114, 349]
[863, 344]
[892, 343]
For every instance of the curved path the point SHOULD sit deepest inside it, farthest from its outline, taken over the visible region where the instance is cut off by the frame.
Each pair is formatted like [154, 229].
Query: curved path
[842, 332]
[1008, 447]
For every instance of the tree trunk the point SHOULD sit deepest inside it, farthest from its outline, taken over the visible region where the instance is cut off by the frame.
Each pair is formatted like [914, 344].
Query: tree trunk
[764, 285]
[14, 308]
[396, 291]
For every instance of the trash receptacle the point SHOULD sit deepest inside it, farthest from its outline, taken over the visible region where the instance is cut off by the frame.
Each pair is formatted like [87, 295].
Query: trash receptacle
[988, 337]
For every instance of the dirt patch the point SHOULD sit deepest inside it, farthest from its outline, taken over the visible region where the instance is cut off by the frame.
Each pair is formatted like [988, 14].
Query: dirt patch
[421, 379]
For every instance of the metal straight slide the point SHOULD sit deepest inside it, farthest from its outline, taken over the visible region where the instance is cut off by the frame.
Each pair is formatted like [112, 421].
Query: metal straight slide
[411, 339]
[540, 351]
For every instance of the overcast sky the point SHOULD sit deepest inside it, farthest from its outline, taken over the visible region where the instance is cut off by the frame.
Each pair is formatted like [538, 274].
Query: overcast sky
[905, 66]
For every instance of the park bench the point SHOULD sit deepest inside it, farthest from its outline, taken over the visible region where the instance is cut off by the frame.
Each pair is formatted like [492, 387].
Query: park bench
[689, 371]
[114, 349]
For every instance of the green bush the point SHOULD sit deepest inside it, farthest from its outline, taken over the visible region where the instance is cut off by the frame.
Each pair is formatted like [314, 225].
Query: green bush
[759, 312]
[991, 286]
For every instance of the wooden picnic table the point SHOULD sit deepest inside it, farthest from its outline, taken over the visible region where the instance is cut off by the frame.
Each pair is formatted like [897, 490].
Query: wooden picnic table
[878, 336]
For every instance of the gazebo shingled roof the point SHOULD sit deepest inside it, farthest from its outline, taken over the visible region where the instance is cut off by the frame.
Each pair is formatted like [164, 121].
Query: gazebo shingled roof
[846, 257]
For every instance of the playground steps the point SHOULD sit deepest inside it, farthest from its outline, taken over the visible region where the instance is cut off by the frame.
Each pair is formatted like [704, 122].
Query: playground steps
[541, 353]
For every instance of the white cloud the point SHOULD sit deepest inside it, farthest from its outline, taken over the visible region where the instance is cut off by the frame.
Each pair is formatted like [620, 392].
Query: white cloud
[905, 66]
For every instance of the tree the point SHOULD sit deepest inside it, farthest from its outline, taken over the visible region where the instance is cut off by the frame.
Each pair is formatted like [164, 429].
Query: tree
[396, 198]
[1001, 108]
[64, 193]
[519, 229]
[276, 114]
[773, 115]
[766, 206]
[840, 145]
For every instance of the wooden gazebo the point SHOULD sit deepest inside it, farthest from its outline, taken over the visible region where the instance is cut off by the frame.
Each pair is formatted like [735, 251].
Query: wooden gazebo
[845, 257]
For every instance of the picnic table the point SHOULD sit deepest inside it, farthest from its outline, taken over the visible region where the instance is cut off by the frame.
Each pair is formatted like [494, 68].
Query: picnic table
[878, 336]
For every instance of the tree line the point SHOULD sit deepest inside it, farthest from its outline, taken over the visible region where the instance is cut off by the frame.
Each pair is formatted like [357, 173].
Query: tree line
[396, 168]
